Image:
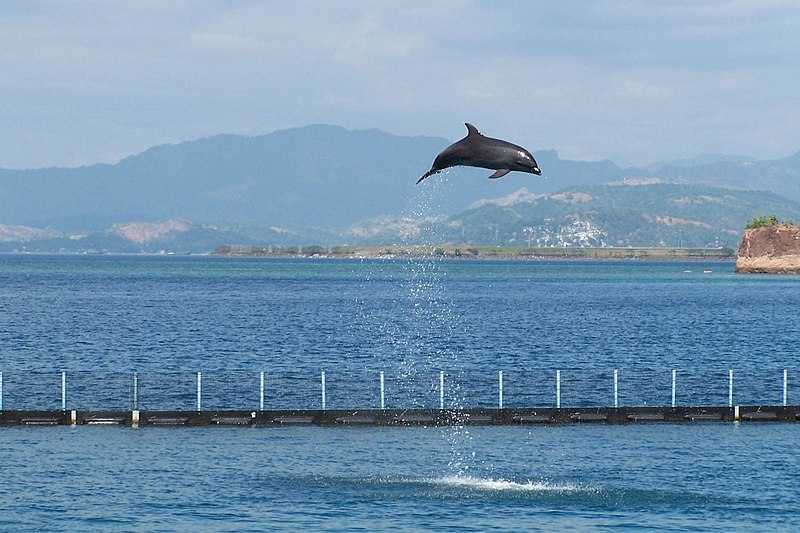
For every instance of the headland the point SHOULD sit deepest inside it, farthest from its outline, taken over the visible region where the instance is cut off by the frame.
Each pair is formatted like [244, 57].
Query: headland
[773, 249]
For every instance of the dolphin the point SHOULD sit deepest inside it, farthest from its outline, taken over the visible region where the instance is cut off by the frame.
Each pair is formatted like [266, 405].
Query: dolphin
[475, 150]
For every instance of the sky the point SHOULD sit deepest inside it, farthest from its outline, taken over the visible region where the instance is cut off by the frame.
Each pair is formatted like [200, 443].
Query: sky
[95, 81]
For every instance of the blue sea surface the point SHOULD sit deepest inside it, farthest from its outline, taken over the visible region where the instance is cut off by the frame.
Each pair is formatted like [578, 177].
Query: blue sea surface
[666, 477]
[100, 319]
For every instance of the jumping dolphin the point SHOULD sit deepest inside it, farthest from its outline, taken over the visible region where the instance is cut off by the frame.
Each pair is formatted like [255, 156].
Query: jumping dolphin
[475, 150]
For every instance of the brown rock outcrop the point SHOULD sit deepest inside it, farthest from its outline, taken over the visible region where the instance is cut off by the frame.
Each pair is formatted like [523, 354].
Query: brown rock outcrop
[770, 250]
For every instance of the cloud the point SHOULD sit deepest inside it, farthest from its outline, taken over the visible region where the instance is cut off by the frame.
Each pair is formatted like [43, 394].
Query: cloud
[95, 81]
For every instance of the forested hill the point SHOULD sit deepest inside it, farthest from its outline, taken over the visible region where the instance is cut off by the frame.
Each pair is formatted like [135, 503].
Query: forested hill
[329, 185]
[310, 176]
[320, 176]
[632, 213]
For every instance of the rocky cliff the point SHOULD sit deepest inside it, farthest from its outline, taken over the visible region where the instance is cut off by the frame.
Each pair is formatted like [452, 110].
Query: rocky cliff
[770, 250]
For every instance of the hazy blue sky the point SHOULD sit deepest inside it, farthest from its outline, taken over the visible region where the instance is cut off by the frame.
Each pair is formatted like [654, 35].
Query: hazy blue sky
[91, 81]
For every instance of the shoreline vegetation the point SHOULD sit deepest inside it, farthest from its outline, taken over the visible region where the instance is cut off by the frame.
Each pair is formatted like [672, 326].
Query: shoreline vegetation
[479, 253]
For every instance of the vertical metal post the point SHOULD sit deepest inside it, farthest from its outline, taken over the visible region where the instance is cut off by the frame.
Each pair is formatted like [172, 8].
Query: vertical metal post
[383, 396]
[135, 406]
[500, 388]
[135, 391]
[441, 389]
[199, 391]
[674, 384]
[63, 391]
[785, 388]
[616, 388]
[558, 389]
[324, 399]
[730, 388]
[261, 392]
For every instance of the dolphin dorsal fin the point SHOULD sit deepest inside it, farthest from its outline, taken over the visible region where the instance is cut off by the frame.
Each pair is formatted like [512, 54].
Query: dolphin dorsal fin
[471, 130]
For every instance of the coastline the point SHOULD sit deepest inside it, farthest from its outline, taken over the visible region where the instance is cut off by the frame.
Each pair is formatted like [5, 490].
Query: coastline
[478, 253]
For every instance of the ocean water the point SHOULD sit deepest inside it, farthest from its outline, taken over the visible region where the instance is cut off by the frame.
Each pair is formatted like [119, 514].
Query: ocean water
[102, 318]
[99, 319]
[665, 477]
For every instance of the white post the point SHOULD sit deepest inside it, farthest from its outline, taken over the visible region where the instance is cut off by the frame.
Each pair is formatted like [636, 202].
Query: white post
[730, 388]
[324, 399]
[199, 391]
[63, 391]
[674, 383]
[135, 409]
[135, 391]
[616, 389]
[441, 389]
[500, 388]
[261, 393]
[383, 397]
[785, 388]
[558, 389]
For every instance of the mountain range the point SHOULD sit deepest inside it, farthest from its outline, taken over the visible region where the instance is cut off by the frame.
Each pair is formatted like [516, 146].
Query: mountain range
[329, 185]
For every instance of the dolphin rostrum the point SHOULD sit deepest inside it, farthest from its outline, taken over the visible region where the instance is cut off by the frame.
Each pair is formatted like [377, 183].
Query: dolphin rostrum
[475, 150]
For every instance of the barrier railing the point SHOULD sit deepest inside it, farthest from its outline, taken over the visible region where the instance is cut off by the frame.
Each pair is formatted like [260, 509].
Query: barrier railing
[378, 389]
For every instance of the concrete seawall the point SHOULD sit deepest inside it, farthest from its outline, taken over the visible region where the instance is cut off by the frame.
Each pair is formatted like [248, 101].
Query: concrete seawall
[406, 417]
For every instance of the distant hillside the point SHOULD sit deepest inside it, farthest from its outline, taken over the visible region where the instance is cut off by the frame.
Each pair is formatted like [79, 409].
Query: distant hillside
[624, 214]
[327, 185]
[781, 176]
[323, 176]
[639, 213]
[317, 176]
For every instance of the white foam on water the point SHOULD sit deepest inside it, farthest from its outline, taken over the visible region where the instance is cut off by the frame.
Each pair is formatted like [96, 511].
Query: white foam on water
[504, 485]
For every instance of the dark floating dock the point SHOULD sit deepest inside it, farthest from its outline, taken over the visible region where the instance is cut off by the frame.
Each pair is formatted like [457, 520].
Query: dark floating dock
[405, 417]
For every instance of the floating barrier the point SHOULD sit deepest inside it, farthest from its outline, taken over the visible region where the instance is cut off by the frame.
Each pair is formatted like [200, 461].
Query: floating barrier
[368, 398]
[405, 417]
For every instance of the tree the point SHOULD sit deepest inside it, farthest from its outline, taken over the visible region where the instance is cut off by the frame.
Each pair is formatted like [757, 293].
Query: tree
[764, 222]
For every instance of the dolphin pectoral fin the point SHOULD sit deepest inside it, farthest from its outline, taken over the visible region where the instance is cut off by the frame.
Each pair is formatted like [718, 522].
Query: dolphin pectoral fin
[499, 174]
